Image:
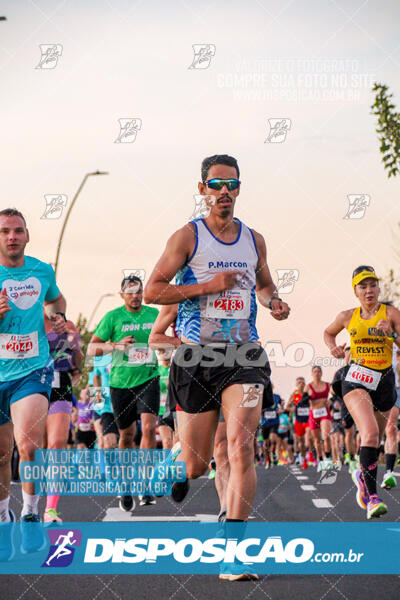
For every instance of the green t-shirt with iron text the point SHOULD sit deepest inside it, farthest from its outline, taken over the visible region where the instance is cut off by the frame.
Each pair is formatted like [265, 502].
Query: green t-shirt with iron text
[137, 364]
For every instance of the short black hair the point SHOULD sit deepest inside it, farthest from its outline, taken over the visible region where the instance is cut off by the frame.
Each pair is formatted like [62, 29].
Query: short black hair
[218, 159]
[131, 279]
[362, 268]
[12, 212]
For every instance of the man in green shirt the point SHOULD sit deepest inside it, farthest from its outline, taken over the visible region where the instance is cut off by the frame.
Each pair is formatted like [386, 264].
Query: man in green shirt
[134, 378]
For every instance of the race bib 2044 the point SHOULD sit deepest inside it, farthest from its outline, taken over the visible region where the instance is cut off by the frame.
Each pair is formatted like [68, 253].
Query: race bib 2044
[14, 346]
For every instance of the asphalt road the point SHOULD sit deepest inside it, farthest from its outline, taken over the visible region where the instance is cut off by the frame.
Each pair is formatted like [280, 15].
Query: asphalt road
[281, 496]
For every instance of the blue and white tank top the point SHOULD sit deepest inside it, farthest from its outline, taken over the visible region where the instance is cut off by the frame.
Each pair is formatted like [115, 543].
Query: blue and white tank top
[230, 316]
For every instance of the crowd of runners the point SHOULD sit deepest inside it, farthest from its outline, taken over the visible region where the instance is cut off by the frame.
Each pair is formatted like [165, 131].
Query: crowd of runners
[192, 377]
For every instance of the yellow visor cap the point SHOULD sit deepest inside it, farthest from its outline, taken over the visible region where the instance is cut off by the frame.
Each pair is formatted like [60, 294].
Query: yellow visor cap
[363, 275]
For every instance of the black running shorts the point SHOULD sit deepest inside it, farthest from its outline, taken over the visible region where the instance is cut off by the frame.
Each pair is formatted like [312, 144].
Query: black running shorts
[86, 437]
[129, 403]
[266, 430]
[383, 398]
[108, 423]
[196, 388]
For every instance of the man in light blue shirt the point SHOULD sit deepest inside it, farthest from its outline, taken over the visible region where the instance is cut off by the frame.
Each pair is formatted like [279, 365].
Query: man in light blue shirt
[26, 368]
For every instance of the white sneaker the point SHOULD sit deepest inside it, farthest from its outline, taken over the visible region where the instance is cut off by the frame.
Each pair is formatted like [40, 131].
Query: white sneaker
[389, 480]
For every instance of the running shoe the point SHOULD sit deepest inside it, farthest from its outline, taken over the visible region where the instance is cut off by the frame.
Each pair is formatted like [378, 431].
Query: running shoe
[389, 480]
[328, 464]
[6, 538]
[32, 538]
[147, 500]
[362, 492]
[375, 507]
[347, 458]
[304, 464]
[180, 490]
[211, 474]
[268, 465]
[126, 503]
[236, 572]
[352, 466]
[51, 516]
[320, 466]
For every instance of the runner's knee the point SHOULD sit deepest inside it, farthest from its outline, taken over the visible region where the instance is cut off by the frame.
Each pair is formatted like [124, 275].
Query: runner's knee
[27, 449]
[241, 452]
[60, 441]
[127, 437]
[371, 438]
[391, 430]
[221, 451]
[148, 429]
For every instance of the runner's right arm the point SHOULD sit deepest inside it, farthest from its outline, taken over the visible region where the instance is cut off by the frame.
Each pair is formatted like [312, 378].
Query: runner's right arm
[179, 248]
[330, 333]
[289, 402]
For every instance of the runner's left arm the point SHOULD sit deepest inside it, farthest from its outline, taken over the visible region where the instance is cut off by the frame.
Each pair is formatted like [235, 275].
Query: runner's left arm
[394, 322]
[52, 308]
[158, 339]
[265, 288]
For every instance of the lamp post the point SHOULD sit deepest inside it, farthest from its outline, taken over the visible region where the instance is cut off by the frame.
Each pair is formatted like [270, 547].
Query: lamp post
[69, 212]
[96, 307]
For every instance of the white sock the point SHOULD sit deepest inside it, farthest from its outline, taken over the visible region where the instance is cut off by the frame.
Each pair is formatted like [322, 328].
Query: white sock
[4, 512]
[31, 504]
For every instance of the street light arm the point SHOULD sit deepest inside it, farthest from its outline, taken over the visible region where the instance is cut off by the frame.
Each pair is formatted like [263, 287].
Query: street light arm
[69, 212]
[96, 307]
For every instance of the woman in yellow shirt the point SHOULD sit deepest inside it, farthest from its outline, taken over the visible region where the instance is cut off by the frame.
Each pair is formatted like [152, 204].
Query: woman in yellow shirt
[368, 385]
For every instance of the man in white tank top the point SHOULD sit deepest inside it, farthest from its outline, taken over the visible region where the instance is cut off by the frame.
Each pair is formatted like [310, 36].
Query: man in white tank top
[220, 267]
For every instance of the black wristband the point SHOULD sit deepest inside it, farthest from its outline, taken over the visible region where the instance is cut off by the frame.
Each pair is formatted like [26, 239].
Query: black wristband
[273, 298]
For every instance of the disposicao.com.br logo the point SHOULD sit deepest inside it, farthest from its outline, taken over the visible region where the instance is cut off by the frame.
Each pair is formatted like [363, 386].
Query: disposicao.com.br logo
[211, 550]
[206, 547]
[62, 547]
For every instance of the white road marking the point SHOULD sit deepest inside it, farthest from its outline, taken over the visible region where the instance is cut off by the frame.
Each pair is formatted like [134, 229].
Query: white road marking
[308, 488]
[322, 503]
[116, 514]
[301, 477]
